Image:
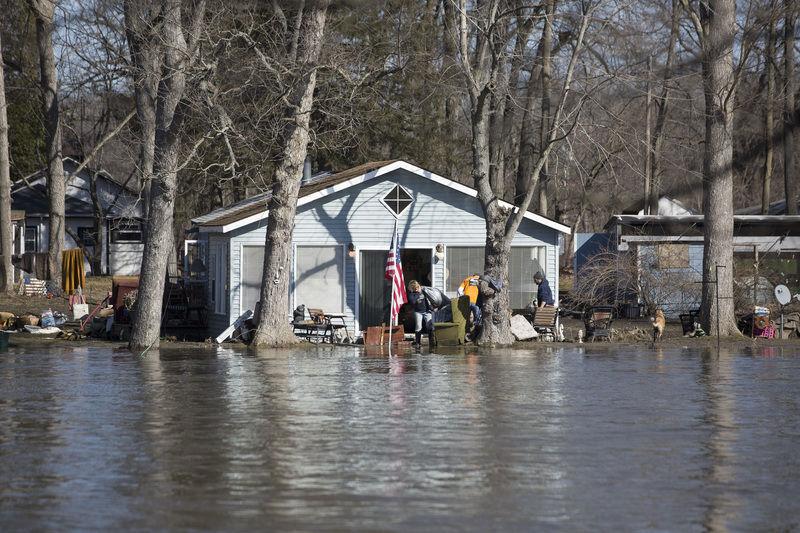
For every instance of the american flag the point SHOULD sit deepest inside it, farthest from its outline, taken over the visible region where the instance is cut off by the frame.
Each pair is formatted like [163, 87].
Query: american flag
[394, 272]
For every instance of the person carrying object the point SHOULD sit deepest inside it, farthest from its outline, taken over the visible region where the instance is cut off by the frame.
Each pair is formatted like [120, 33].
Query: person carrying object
[469, 287]
[423, 313]
[544, 296]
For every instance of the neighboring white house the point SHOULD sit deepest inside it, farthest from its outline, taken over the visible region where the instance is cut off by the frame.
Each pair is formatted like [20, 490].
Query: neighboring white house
[342, 233]
[120, 231]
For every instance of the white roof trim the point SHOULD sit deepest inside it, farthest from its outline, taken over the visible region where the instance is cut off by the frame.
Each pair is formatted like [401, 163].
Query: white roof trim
[372, 174]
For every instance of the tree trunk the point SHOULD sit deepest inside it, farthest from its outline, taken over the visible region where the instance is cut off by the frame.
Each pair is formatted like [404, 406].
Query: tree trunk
[496, 305]
[273, 322]
[144, 47]
[56, 184]
[544, 131]
[6, 238]
[159, 245]
[99, 216]
[789, 179]
[718, 86]
[769, 115]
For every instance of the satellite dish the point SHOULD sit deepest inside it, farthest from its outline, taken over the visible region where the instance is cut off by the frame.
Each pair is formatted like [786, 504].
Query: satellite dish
[782, 294]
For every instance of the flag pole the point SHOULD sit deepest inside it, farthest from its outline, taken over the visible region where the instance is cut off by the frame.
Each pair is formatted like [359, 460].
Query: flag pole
[394, 244]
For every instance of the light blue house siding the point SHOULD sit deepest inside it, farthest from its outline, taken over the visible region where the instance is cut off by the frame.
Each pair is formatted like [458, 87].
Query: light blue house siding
[674, 290]
[438, 214]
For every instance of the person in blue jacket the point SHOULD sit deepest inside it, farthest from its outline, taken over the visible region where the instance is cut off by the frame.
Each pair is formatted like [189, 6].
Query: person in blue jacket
[544, 296]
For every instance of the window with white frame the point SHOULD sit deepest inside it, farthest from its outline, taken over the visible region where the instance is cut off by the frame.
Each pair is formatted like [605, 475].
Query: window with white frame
[217, 274]
[31, 239]
[126, 231]
[524, 262]
[319, 277]
[212, 279]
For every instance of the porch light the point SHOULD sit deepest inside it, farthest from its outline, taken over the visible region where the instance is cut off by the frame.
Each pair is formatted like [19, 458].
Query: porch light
[351, 250]
[439, 252]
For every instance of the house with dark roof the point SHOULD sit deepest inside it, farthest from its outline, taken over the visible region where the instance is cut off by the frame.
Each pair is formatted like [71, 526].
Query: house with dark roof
[665, 253]
[343, 230]
[103, 217]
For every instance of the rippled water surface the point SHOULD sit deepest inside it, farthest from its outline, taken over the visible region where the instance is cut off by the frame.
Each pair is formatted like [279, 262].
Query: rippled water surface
[567, 439]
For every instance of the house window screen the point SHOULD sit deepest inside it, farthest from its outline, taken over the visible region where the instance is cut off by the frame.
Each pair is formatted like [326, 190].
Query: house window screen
[523, 264]
[672, 256]
[319, 282]
[218, 260]
[462, 262]
[252, 267]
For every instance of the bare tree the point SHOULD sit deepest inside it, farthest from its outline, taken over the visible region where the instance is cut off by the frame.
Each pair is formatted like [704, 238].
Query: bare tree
[6, 239]
[715, 24]
[483, 57]
[657, 141]
[179, 32]
[44, 12]
[273, 326]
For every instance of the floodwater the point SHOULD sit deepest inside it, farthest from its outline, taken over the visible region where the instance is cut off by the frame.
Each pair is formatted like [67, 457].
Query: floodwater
[617, 438]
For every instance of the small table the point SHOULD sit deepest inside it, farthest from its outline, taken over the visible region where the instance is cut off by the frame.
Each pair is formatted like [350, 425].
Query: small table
[333, 322]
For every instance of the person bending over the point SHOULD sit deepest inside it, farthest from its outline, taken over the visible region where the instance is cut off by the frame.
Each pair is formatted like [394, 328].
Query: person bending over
[544, 296]
[423, 313]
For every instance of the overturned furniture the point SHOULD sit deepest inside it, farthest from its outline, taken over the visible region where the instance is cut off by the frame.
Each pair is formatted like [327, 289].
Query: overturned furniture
[545, 323]
[454, 331]
[598, 323]
[383, 335]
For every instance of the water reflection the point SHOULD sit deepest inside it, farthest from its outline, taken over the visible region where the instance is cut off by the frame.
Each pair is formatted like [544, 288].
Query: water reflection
[718, 416]
[576, 438]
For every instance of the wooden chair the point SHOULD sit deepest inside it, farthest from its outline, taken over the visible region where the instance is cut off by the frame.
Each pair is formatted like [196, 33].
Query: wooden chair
[545, 322]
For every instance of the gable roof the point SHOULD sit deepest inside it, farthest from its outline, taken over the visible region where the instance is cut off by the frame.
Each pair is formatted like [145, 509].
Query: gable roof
[33, 201]
[40, 176]
[30, 193]
[257, 204]
[255, 208]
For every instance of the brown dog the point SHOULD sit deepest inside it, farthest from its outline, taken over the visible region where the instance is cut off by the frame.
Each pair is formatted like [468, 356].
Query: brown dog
[659, 322]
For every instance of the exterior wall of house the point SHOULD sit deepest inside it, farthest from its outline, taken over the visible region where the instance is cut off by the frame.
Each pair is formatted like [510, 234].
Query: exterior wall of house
[356, 215]
[121, 259]
[675, 289]
[125, 258]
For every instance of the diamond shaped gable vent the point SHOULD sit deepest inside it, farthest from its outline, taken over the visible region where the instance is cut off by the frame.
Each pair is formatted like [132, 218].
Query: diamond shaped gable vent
[397, 200]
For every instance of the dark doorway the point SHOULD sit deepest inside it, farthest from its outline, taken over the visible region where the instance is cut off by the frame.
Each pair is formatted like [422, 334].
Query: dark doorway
[375, 297]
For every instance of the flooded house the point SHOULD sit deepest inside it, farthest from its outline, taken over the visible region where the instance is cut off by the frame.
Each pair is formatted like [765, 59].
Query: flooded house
[342, 233]
[665, 253]
[94, 199]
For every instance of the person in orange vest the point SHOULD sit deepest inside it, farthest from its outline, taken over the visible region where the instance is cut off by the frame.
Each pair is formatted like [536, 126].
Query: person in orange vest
[469, 287]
